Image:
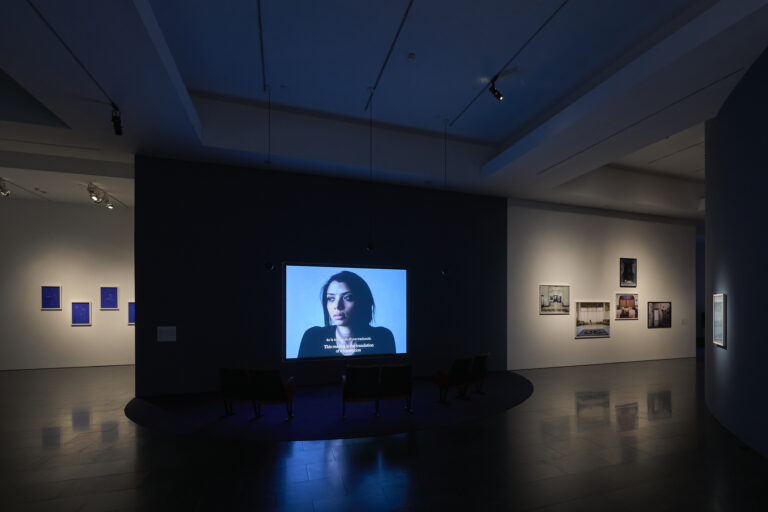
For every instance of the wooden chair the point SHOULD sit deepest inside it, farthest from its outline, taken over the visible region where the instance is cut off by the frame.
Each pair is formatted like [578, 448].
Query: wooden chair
[359, 384]
[268, 387]
[478, 372]
[457, 378]
[396, 383]
[235, 387]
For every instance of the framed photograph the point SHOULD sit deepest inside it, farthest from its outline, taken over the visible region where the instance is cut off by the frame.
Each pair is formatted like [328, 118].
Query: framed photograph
[628, 272]
[109, 298]
[81, 313]
[659, 315]
[554, 299]
[627, 306]
[131, 313]
[593, 320]
[50, 297]
[718, 319]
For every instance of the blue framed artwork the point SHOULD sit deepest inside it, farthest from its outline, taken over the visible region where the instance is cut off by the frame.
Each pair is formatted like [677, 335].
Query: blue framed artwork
[131, 313]
[51, 298]
[108, 297]
[81, 313]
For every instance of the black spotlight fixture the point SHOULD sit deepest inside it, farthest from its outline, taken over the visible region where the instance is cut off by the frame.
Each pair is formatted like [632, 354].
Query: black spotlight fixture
[496, 93]
[116, 122]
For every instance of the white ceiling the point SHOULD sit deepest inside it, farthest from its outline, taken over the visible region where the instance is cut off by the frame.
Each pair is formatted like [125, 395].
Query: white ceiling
[599, 96]
[681, 155]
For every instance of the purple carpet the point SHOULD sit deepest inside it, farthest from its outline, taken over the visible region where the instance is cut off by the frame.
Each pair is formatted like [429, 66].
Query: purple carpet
[317, 412]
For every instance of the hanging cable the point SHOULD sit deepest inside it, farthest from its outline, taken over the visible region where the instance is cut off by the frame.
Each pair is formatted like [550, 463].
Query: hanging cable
[389, 54]
[116, 115]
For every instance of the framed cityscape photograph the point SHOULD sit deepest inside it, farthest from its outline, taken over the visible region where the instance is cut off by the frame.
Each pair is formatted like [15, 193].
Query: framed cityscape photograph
[81, 313]
[554, 299]
[109, 298]
[659, 315]
[627, 306]
[628, 272]
[50, 299]
[718, 319]
[593, 320]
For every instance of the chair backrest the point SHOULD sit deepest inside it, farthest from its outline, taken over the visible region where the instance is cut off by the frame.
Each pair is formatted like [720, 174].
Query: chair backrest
[396, 380]
[460, 369]
[235, 383]
[267, 385]
[362, 382]
[479, 367]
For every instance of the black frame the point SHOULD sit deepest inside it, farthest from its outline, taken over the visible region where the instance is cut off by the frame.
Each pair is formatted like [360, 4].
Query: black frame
[670, 315]
[630, 284]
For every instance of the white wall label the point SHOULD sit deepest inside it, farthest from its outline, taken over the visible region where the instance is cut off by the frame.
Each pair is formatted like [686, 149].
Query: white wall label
[166, 333]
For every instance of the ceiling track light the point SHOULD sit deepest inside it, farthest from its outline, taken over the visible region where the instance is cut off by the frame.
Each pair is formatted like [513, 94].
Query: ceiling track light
[496, 93]
[4, 192]
[116, 120]
[95, 193]
[98, 196]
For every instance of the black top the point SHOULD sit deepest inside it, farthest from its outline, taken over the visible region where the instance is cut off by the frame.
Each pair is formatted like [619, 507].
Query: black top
[321, 342]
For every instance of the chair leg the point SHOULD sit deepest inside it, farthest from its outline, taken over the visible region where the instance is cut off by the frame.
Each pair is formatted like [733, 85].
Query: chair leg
[377, 408]
[227, 408]
[289, 408]
[256, 411]
[343, 409]
[408, 404]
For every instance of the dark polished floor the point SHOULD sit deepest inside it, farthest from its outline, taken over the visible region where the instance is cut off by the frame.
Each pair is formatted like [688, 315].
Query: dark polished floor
[632, 436]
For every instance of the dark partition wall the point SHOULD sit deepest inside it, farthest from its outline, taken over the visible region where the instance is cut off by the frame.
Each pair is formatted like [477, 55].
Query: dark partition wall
[208, 235]
[736, 249]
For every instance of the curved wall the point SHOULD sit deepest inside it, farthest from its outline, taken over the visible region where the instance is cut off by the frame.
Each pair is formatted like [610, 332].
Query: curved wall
[737, 257]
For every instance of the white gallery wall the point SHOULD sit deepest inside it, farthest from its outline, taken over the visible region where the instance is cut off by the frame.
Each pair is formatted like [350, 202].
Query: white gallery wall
[81, 248]
[549, 244]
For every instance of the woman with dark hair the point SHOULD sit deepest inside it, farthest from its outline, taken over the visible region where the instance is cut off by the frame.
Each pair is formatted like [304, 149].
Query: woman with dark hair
[348, 309]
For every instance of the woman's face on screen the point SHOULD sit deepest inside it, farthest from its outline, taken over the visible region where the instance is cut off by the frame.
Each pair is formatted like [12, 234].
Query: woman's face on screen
[340, 302]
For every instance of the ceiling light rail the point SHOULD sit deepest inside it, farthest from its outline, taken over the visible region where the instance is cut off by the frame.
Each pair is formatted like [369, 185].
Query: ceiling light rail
[98, 196]
[389, 54]
[493, 88]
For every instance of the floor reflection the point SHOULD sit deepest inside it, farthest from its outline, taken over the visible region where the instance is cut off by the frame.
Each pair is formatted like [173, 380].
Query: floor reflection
[109, 431]
[558, 451]
[626, 416]
[81, 420]
[659, 405]
[592, 410]
[51, 437]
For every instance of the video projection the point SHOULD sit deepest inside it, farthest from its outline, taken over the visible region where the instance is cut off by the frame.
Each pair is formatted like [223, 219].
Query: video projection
[344, 311]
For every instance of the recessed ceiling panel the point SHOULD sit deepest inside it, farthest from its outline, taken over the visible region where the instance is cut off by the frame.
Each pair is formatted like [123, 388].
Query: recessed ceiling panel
[215, 44]
[325, 55]
[18, 106]
[581, 46]
[456, 49]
